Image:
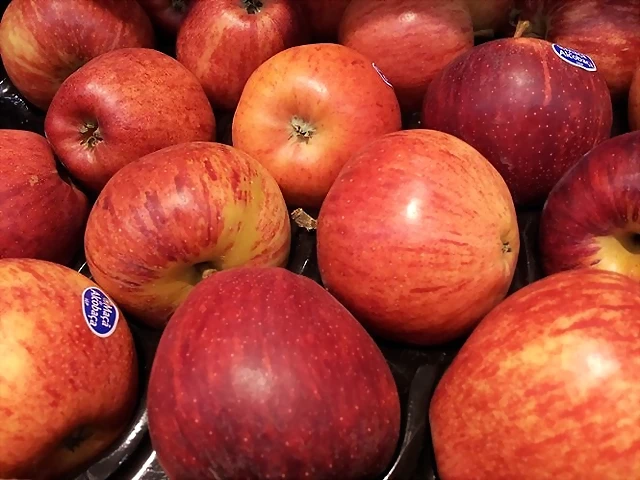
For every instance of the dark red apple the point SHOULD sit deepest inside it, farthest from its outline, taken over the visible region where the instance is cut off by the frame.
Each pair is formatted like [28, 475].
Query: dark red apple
[262, 374]
[43, 42]
[592, 215]
[324, 17]
[42, 215]
[409, 40]
[167, 14]
[547, 386]
[533, 109]
[223, 41]
[122, 106]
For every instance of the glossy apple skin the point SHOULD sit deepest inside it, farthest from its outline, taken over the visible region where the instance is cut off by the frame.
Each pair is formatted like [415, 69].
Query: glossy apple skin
[41, 215]
[547, 386]
[56, 374]
[141, 101]
[592, 215]
[324, 17]
[490, 14]
[262, 374]
[43, 41]
[330, 88]
[634, 102]
[214, 28]
[412, 237]
[175, 209]
[530, 113]
[409, 40]
[167, 14]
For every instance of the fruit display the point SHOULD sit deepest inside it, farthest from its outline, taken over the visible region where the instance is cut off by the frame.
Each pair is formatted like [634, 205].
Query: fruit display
[319, 239]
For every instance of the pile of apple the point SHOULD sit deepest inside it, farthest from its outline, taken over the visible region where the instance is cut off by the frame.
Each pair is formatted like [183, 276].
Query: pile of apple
[407, 133]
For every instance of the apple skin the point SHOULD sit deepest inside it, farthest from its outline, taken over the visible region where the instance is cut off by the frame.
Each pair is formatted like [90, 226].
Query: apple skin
[167, 14]
[530, 113]
[262, 374]
[418, 237]
[43, 41]
[409, 40]
[490, 14]
[324, 17]
[41, 215]
[634, 102]
[136, 101]
[547, 386]
[178, 214]
[591, 218]
[307, 110]
[254, 34]
[58, 377]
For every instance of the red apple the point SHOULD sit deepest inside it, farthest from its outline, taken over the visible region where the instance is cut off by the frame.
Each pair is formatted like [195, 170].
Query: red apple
[530, 112]
[68, 381]
[324, 17]
[262, 374]
[304, 113]
[409, 40]
[43, 42]
[490, 14]
[42, 214]
[122, 106]
[223, 41]
[591, 216]
[547, 386]
[634, 102]
[178, 215]
[418, 237]
[167, 14]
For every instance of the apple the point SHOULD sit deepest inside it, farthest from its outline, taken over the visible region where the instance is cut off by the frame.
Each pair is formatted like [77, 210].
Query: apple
[591, 216]
[305, 112]
[531, 113]
[69, 370]
[167, 14]
[42, 214]
[178, 215]
[324, 17]
[122, 106]
[547, 386]
[490, 15]
[418, 237]
[43, 42]
[253, 30]
[262, 374]
[634, 102]
[409, 40]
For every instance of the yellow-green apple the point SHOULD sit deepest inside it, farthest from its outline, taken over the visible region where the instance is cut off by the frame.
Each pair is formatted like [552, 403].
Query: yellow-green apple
[68, 370]
[409, 40]
[324, 17]
[222, 42]
[167, 14]
[634, 102]
[547, 386]
[532, 108]
[306, 110]
[178, 215]
[42, 42]
[592, 215]
[122, 106]
[491, 15]
[42, 214]
[418, 237]
[263, 374]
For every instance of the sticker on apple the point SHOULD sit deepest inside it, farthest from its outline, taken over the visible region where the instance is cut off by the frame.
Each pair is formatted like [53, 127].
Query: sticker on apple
[386, 80]
[99, 311]
[575, 58]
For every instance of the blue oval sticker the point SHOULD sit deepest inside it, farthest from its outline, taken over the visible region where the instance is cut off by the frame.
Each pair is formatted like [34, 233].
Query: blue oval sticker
[575, 58]
[100, 313]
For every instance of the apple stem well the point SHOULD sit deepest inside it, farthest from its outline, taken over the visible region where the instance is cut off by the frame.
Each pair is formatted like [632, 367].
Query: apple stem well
[506, 247]
[252, 6]
[301, 130]
[179, 6]
[91, 134]
[204, 270]
[76, 437]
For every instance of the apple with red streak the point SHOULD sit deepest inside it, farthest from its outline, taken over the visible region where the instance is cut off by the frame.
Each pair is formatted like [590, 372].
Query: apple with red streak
[324, 17]
[634, 102]
[547, 386]
[307, 110]
[592, 215]
[222, 42]
[42, 215]
[66, 394]
[529, 112]
[42, 42]
[178, 215]
[491, 15]
[167, 14]
[122, 106]
[418, 237]
[262, 374]
[409, 40]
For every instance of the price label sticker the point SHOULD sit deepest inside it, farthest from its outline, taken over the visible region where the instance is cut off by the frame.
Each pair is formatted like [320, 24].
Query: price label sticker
[99, 311]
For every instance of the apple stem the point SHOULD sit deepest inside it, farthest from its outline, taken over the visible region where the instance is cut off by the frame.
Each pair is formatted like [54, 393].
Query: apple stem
[91, 134]
[304, 220]
[521, 28]
[252, 6]
[506, 247]
[301, 130]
